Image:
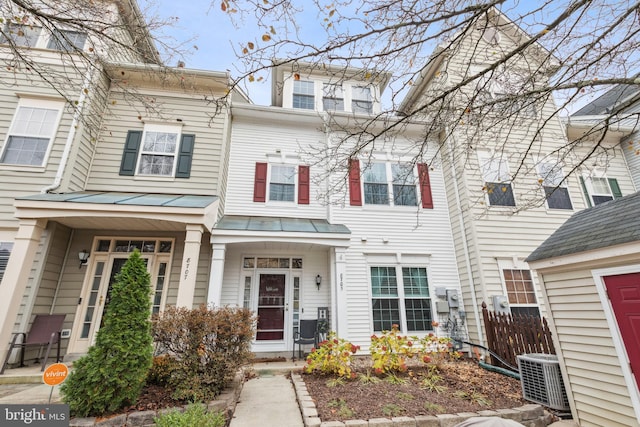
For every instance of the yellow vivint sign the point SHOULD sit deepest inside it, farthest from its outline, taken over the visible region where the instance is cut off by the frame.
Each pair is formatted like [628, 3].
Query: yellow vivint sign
[55, 374]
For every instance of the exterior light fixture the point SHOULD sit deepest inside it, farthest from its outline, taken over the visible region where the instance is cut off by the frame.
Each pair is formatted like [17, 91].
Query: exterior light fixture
[318, 281]
[83, 256]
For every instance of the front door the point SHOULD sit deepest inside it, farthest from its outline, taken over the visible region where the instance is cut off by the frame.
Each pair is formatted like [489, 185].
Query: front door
[95, 302]
[272, 307]
[624, 294]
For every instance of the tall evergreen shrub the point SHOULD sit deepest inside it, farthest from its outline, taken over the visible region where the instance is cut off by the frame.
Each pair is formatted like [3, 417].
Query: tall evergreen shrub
[112, 374]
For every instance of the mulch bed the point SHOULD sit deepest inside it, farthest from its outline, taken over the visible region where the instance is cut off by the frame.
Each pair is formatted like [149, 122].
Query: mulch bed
[469, 388]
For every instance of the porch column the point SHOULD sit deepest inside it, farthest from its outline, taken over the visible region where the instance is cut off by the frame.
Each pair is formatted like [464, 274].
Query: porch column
[16, 275]
[217, 273]
[341, 293]
[190, 256]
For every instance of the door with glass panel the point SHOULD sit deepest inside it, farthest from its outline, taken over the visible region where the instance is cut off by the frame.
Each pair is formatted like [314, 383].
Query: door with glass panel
[97, 291]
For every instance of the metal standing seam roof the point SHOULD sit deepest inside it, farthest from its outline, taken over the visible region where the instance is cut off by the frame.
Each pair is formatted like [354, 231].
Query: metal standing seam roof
[296, 225]
[608, 224]
[136, 199]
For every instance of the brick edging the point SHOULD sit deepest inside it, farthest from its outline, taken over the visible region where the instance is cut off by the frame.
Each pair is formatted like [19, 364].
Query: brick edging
[226, 402]
[530, 415]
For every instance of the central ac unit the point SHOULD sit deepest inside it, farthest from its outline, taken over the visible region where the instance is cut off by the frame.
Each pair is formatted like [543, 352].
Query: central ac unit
[542, 380]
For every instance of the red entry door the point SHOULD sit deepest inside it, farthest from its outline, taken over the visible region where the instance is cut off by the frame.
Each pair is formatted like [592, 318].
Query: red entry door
[271, 307]
[624, 293]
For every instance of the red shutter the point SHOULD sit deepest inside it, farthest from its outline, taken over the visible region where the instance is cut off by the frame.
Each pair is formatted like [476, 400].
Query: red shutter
[260, 183]
[355, 195]
[303, 185]
[425, 186]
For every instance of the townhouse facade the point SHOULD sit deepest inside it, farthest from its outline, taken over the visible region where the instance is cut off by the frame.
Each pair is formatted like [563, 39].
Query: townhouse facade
[267, 207]
[363, 242]
[139, 163]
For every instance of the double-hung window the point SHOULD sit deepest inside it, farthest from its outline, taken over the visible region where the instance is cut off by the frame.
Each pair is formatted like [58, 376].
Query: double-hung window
[32, 130]
[378, 187]
[21, 34]
[5, 253]
[67, 40]
[403, 184]
[282, 183]
[554, 185]
[332, 97]
[158, 152]
[400, 295]
[361, 100]
[497, 182]
[599, 189]
[304, 94]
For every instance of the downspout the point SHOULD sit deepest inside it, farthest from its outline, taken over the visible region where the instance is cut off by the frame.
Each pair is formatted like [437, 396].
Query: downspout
[72, 132]
[467, 260]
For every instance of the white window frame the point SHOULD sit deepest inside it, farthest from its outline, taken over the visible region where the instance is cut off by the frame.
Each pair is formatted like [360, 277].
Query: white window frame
[159, 128]
[591, 189]
[65, 36]
[312, 95]
[552, 176]
[353, 102]
[398, 262]
[334, 93]
[294, 167]
[10, 29]
[44, 38]
[35, 104]
[515, 264]
[389, 182]
[495, 169]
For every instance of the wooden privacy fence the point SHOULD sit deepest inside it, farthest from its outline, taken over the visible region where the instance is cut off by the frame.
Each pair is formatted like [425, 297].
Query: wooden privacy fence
[511, 335]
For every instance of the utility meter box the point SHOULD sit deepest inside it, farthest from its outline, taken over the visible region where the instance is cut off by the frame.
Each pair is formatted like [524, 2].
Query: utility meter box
[442, 307]
[452, 298]
[501, 304]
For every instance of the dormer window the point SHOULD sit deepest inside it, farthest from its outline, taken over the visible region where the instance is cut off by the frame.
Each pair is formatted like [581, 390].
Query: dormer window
[332, 97]
[361, 100]
[303, 94]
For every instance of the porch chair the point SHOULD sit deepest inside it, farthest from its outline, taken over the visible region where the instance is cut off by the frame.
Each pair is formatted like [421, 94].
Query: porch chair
[307, 334]
[45, 329]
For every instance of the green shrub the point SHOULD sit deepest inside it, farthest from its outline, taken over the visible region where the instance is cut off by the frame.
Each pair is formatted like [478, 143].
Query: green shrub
[333, 356]
[113, 372]
[193, 416]
[208, 346]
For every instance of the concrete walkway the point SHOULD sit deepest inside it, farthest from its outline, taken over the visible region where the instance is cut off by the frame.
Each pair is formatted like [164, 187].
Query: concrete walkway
[267, 401]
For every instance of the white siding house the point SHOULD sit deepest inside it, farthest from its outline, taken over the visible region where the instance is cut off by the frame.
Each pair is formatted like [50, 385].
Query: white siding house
[368, 240]
[498, 217]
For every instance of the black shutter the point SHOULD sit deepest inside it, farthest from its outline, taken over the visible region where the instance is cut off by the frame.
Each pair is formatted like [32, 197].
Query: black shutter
[130, 154]
[615, 188]
[185, 153]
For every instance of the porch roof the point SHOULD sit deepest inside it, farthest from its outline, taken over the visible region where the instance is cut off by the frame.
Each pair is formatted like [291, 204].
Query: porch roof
[232, 229]
[110, 197]
[262, 223]
[119, 210]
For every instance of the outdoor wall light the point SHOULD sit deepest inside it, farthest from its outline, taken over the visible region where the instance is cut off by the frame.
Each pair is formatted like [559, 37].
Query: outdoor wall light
[318, 281]
[83, 255]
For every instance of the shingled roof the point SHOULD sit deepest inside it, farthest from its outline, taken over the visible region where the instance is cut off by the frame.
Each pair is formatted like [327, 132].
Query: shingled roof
[608, 224]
